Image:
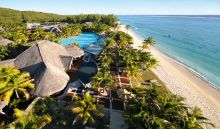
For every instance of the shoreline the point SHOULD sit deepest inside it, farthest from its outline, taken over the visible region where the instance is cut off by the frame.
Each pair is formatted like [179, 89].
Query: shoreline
[183, 81]
[193, 71]
[187, 67]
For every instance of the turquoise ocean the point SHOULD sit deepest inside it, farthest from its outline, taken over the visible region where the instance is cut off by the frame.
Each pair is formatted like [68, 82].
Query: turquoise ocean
[194, 41]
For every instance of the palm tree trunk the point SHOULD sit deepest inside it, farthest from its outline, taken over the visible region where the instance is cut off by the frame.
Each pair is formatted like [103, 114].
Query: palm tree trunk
[16, 92]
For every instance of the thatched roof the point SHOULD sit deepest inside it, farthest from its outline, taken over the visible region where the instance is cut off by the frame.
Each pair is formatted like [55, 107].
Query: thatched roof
[31, 43]
[7, 62]
[4, 41]
[49, 80]
[46, 62]
[75, 51]
[45, 51]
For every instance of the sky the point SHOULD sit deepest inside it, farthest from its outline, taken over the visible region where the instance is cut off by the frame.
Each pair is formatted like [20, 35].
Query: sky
[118, 7]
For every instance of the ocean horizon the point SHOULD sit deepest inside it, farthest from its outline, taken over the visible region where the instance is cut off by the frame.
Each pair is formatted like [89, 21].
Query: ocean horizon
[191, 40]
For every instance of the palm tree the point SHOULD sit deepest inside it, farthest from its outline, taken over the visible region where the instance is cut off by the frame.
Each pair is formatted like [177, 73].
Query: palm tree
[127, 27]
[116, 26]
[12, 80]
[105, 61]
[37, 34]
[148, 41]
[103, 79]
[3, 52]
[7, 35]
[29, 120]
[196, 119]
[138, 115]
[144, 46]
[86, 111]
[155, 107]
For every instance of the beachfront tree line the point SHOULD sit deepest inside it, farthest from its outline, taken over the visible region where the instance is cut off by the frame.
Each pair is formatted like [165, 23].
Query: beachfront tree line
[153, 106]
[119, 53]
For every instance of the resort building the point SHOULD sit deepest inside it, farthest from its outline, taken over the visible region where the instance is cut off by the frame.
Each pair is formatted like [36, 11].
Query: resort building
[47, 62]
[32, 25]
[54, 29]
[46, 27]
[88, 23]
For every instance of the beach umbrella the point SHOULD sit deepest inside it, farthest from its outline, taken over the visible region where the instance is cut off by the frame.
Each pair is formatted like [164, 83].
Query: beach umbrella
[87, 71]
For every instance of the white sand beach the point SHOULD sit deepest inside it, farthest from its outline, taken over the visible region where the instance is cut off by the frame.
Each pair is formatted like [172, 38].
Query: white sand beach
[185, 83]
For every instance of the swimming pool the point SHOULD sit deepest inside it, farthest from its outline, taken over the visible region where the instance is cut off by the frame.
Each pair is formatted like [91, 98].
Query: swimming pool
[90, 42]
[84, 39]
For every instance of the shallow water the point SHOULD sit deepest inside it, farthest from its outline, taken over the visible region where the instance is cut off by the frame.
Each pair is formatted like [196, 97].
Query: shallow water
[192, 40]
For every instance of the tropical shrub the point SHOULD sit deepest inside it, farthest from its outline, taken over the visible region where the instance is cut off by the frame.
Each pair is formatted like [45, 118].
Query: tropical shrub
[29, 120]
[147, 42]
[15, 87]
[87, 112]
[154, 107]
[14, 81]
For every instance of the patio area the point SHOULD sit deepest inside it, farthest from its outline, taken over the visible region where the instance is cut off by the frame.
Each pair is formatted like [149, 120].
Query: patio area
[113, 102]
[122, 78]
[74, 68]
[117, 120]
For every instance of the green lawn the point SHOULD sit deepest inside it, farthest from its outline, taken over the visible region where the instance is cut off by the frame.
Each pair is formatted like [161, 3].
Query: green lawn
[146, 75]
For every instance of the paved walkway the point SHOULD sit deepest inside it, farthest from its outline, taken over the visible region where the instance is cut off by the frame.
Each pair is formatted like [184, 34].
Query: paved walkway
[117, 120]
[123, 80]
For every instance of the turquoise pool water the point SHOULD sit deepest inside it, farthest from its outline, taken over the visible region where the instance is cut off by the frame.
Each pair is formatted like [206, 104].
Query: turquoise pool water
[90, 42]
[84, 39]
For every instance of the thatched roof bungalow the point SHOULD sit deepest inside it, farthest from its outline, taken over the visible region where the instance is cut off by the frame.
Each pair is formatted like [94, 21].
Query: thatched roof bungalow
[32, 25]
[7, 62]
[88, 23]
[46, 62]
[72, 50]
[55, 30]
